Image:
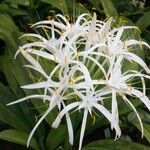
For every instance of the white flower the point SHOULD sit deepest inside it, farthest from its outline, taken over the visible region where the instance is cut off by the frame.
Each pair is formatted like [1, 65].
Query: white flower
[88, 58]
[121, 84]
[88, 101]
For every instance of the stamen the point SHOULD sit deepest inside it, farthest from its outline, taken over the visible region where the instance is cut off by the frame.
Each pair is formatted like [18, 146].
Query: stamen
[94, 119]
[49, 18]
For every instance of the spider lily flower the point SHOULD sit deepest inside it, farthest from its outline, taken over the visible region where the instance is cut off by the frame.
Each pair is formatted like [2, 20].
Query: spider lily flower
[117, 47]
[88, 102]
[55, 98]
[120, 84]
[77, 50]
[64, 26]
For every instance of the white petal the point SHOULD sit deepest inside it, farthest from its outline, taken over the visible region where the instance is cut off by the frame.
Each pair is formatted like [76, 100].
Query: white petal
[115, 115]
[57, 121]
[141, 96]
[138, 60]
[51, 22]
[83, 127]
[41, 53]
[28, 97]
[34, 62]
[38, 70]
[34, 35]
[135, 42]
[70, 128]
[41, 85]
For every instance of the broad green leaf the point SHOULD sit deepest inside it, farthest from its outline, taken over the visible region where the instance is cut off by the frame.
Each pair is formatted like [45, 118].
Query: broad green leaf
[1, 63]
[59, 4]
[17, 2]
[9, 118]
[11, 10]
[75, 9]
[145, 116]
[16, 75]
[18, 137]
[71, 8]
[146, 129]
[7, 23]
[144, 21]
[114, 145]
[34, 3]
[56, 137]
[109, 8]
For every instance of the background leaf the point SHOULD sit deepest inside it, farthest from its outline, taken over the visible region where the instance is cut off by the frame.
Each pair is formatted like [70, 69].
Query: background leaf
[114, 145]
[18, 137]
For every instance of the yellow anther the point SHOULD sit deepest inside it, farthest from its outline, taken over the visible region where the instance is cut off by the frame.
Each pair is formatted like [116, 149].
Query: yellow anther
[94, 119]
[52, 11]
[129, 49]
[130, 87]
[61, 4]
[93, 8]
[36, 118]
[71, 80]
[138, 29]
[30, 24]
[67, 16]
[45, 30]
[49, 17]
[123, 20]
[77, 55]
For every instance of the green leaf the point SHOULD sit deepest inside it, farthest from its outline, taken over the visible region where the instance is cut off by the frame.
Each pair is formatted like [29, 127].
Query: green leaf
[11, 115]
[109, 8]
[56, 137]
[145, 120]
[7, 23]
[114, 145]
[96, 4]
[9, 118]
[17, 2]
[12, 11]
[59, 4]
[34, 3]
[18, 137]
[144, 21]
[71, 8]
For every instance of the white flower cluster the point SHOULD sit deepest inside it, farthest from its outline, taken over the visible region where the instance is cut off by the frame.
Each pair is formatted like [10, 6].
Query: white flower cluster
[89, 58]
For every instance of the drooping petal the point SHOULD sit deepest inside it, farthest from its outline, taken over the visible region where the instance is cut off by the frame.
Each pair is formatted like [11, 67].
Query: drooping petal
[115, 114]
[57, 121]
[42, 84]
[138, 60]
[141, 96]
[83, 127]
[29, 97]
